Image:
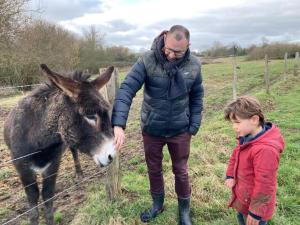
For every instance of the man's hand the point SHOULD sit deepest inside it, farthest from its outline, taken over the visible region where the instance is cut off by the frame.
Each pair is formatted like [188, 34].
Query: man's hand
[251, 221]
[119, 137]
[230, 182]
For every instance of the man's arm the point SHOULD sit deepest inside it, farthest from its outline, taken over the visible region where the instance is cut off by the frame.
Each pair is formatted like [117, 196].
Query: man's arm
[128, 89]
[132, 83]
[196, 104]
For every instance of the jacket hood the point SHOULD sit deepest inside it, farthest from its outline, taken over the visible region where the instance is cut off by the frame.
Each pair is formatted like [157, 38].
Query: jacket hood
[154, 43]
[272, 137]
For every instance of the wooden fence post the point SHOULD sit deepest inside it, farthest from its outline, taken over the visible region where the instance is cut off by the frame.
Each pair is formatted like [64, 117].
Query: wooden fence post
[285, 74]
[234, 83]
[113, 179]
[267, 77]
[296, 64]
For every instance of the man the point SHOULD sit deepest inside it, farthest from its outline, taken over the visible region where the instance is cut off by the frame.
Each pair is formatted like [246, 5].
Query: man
[171, 113]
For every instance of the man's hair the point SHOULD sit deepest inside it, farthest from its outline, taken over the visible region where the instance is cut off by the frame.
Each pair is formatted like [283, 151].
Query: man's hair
[178, 30]
[244, 107]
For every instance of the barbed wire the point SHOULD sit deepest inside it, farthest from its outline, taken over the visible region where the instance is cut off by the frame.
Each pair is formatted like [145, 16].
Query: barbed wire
[20, 86]
[60, 179]
[43, 202]
[24, 156]
[61, 176]
[27, 155]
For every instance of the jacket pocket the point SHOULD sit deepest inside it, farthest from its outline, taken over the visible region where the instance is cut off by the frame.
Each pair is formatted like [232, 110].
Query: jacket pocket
[149, 118]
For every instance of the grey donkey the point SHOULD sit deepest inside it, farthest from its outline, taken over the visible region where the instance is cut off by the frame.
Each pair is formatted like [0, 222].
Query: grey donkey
[67, 112]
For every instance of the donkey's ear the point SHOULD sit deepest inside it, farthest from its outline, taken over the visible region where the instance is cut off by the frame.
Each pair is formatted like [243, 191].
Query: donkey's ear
[67, 85]
[103, 78]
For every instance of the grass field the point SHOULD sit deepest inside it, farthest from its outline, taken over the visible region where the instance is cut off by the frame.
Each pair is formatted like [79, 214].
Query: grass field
[210, 151]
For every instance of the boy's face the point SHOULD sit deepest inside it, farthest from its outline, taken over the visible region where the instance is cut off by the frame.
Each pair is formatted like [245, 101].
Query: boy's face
[243, 127]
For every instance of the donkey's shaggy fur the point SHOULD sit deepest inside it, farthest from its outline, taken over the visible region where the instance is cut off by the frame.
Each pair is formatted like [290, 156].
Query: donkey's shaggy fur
[68, 112]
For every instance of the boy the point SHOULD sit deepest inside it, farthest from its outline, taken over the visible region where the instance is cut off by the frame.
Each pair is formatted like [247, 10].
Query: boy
[252, 168]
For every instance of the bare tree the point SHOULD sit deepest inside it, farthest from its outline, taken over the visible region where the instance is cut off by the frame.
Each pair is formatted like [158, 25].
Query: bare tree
[93, 37]
[92, 50]
[39, 42]
[12, 17]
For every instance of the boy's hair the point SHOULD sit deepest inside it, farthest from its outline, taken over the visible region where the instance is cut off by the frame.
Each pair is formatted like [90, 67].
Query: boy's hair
[244, 107]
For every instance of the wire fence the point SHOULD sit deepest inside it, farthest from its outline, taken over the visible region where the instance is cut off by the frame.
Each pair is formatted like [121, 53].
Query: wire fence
[56, 195]
[97, 174]
[20, 86]
[18, 158]
[61, 177]
[135, 133]
[134, 142]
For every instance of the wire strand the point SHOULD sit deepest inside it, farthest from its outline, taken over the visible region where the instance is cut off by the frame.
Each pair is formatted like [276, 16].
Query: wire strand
[17, 217]
[10, 161]
[13, 87]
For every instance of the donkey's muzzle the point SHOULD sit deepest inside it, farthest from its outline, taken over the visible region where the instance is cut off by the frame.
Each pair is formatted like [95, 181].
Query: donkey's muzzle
[105, 154]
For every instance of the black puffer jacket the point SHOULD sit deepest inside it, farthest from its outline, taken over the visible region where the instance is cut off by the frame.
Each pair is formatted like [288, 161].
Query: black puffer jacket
[161, 116]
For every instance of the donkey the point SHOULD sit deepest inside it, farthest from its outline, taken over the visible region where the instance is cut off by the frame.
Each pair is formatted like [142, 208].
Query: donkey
[67, 112]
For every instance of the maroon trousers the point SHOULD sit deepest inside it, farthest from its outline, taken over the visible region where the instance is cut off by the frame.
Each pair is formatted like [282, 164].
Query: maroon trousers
[179, 149]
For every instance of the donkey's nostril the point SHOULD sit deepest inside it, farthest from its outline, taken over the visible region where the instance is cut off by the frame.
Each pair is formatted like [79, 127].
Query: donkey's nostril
[110, 157]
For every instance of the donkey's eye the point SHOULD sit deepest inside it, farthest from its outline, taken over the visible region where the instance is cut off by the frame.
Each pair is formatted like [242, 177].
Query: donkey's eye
[91, 119]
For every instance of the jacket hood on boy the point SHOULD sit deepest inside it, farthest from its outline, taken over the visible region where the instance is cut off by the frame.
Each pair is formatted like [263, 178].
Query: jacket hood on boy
[271, 137]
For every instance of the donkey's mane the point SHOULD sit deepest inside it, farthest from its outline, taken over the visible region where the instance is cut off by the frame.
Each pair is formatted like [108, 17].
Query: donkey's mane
[79, 76]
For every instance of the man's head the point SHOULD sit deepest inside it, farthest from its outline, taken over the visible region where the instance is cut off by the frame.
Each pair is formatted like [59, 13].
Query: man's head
[245, 114]
[177, 41]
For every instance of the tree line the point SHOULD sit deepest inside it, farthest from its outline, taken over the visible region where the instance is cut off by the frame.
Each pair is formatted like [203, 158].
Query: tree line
[274, 50]
[26, 42]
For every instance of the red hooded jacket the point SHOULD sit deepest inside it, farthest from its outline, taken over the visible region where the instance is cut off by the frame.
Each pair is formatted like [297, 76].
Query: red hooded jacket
[254, 166]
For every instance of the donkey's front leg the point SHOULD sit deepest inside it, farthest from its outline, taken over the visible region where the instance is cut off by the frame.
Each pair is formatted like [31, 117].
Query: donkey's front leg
[28, 178]
[49, 180]
[78, 170]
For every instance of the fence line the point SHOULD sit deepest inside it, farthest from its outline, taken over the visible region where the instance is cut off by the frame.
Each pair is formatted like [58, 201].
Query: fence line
[266, 75]
[24, 156]
[115, 182]
[17, 217]
[60, 176]
[267, 80]
[296, 64]
[20, 86]
[285, 74]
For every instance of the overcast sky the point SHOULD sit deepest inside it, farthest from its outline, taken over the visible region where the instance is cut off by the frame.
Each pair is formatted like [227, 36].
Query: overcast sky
[134, 23]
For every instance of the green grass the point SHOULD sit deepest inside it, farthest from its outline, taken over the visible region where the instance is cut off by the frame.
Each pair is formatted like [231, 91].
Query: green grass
[58, 216]
[10, 101]
[210, 150]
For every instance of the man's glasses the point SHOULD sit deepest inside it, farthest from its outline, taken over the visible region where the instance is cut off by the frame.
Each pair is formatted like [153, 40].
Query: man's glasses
[177, 54]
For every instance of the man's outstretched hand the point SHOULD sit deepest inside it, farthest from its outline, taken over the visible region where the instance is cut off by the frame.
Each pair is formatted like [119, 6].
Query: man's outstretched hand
[119, 137]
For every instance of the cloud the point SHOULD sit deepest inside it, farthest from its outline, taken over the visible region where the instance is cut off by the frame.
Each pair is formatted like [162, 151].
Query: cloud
[135, 23]
[59, 10]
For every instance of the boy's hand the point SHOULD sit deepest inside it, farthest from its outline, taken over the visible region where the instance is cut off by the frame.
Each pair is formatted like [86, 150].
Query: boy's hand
[252, 221]
[230, 182]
